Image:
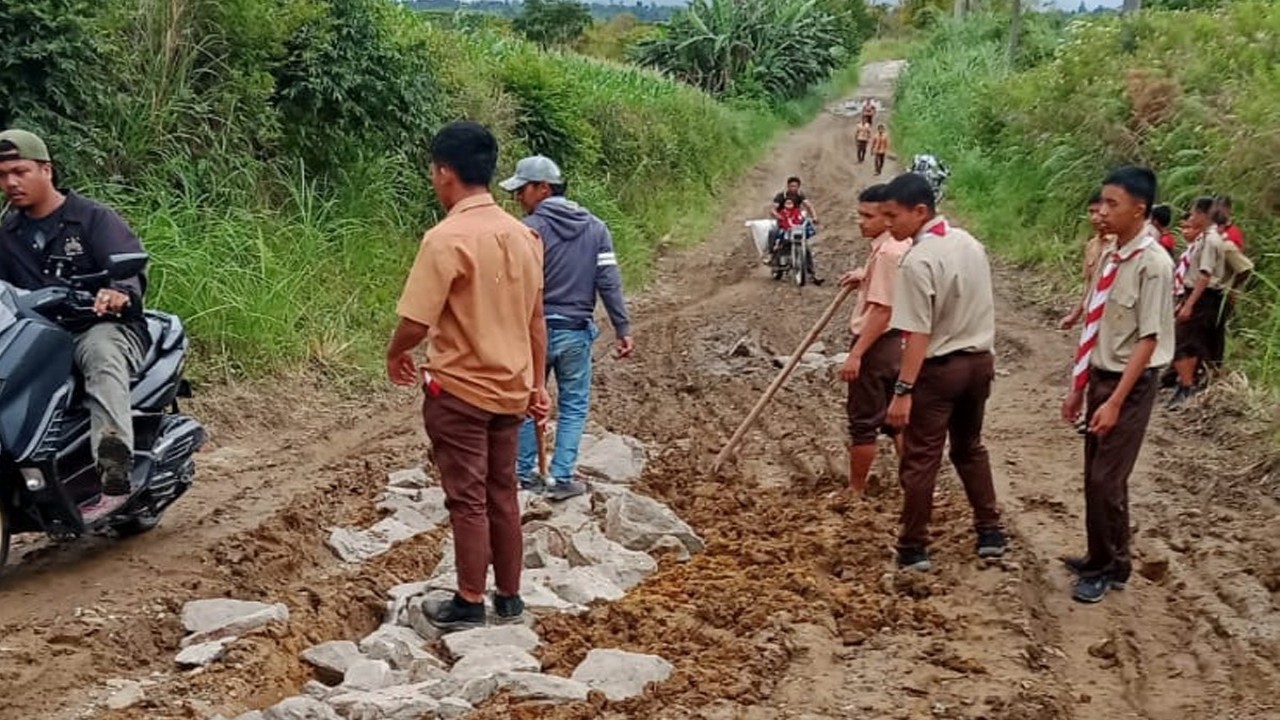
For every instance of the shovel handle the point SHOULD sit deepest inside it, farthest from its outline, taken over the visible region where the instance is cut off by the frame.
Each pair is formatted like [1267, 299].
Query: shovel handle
[541, 433]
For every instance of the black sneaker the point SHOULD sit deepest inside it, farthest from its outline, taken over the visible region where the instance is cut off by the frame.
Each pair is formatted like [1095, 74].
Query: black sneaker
[510, 608]
[1092, 589]
[914, 559]
[991, 544]
[115, 464]
[455, 614]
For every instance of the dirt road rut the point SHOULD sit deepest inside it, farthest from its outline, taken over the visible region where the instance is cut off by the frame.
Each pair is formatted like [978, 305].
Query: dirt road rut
[794, 610]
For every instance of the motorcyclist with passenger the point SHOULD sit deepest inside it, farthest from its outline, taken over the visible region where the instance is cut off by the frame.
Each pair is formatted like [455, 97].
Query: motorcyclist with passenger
[777, 208]
[50, 235]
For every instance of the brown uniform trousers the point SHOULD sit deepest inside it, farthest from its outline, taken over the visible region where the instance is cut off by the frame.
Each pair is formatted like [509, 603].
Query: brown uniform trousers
[950, 400]
[1108, 462]
[476, 453]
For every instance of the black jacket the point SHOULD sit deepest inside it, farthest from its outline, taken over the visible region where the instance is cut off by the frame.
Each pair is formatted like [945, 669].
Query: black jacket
[87, 234]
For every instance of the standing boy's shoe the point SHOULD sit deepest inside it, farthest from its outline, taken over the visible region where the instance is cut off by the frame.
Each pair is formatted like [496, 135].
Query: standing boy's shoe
[1092, 589]
[455, 614]
[532, 484]
[914, 559]
[991, 544]
[509, 609]
[565, 489]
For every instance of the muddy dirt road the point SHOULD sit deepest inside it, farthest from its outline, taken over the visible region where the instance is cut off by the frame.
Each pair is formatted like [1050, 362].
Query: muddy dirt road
[794, 610]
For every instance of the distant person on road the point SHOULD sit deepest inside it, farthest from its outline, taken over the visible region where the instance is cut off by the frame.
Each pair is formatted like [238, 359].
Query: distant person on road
[876, 354]
[474, 295]
[880, 147]
[1127, 337]
[868, 111]
[50, 235]
[579, 265]
[1202, 301]
[862, 136]
[943, 301]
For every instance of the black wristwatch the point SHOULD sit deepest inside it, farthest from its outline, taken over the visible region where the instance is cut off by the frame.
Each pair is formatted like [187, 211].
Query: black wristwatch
[903, 388]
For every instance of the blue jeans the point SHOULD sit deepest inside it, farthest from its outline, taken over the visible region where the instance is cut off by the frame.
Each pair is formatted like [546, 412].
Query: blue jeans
[569, 358]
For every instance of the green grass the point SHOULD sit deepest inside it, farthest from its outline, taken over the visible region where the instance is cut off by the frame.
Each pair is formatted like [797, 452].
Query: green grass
[889, 48]
[1194, 95]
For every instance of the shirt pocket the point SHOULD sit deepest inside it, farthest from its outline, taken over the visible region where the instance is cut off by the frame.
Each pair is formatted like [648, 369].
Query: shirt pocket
[1122, 310]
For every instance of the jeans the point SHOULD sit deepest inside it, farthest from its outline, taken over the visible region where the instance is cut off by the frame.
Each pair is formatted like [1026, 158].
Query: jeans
[108, 354]
[569, 358]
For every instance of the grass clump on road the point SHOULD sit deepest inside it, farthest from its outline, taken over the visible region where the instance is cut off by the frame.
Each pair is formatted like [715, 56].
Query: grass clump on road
[1194, 95]
[272, 153]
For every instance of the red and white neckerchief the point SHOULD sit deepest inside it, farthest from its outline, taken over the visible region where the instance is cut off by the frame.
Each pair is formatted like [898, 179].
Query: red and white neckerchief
[1098, 303]
[1184, 266]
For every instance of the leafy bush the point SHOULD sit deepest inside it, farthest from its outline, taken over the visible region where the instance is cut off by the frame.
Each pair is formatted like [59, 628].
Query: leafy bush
[762, 49]
[1194, 95]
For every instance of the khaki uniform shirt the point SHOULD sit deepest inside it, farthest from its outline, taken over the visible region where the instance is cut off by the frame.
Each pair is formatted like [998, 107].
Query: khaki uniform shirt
[1139, 306]
[1208, 256]
[880, 144]
[863, 133]
[477, 284]
[944, 289]
[880, 277]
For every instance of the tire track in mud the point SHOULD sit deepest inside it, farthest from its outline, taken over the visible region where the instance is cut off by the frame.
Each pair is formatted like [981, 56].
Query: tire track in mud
[793, 611]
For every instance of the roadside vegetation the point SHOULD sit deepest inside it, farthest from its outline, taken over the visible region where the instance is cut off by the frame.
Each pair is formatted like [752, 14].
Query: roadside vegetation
[272, 153]
[1193, 94]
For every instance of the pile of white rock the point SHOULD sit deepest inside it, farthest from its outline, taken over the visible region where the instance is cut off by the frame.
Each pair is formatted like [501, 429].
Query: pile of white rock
[578, 552]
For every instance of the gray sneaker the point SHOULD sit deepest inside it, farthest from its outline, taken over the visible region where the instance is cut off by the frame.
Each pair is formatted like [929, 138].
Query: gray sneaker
[565, 489]
[531, 484]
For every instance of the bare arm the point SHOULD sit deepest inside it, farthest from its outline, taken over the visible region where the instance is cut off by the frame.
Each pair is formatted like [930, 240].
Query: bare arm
[913, 357]
[401, 368]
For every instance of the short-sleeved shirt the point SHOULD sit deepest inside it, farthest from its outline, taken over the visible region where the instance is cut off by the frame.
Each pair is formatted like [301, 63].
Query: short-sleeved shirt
[477, 283]
[1139, 305]
[863, 133]
[880, 277]
[944, 290]
[1208, 256]
[880, 143]
[798, 198]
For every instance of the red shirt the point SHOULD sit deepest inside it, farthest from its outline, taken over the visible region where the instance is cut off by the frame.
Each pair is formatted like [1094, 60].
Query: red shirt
[1234, 235]
[790, 218]
[1168, 242]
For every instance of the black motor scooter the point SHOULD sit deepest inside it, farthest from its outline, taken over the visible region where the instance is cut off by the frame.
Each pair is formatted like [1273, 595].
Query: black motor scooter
[49, 482]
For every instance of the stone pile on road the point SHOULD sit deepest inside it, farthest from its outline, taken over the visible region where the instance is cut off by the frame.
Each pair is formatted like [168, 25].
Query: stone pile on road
[578, 552]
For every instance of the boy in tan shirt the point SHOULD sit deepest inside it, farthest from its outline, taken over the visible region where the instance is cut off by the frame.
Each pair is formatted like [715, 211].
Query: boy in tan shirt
[880, 147]
[475, 296]
[862, 135]
[943, 301]
[1203, 299]
[1127, 336]
[1092, 251]
[876, 354]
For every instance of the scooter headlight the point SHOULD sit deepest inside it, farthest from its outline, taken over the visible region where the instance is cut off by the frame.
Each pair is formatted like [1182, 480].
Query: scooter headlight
[34, 477]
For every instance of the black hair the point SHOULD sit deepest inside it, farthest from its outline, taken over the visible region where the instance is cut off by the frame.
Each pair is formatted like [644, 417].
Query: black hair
[1224, 201]
[1095, 198]
[469, 149]
[793, 179]
[558, 190]
[873, 194]
[910, 190]
[1139, 182]
[1202, 204]
[1162, 215]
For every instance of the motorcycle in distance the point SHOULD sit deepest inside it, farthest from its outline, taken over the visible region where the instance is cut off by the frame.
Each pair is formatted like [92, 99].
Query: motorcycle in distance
[49, 482]
[791, 252]
[932, 169]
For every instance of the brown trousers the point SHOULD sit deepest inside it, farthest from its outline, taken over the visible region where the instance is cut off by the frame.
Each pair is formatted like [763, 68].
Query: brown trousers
[1108, 462]
[476, 453]
[950, 400]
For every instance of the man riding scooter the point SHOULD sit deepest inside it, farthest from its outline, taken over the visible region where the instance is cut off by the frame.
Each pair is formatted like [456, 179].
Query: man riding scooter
[800, 201]
[51, 235]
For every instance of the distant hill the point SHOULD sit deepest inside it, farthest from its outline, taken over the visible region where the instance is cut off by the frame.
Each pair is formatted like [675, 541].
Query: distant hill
[649, 11]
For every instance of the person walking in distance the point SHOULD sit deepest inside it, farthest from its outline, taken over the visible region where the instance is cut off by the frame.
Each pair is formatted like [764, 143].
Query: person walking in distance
[50, 235]
[862, 136]
[880, 147]
[1127, 336]
[474, 295]
[943, 300]
[876, 354]
[579, 265]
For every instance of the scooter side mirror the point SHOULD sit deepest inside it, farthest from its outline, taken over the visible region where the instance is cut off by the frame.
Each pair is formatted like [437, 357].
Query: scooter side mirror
[122, 266]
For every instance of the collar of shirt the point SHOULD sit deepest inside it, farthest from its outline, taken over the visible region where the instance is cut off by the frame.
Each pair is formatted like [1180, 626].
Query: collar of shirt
[471, 203]
[937, 226]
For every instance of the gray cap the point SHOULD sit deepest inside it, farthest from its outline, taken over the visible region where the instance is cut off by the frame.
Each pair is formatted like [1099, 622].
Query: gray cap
[533, 169]
[22, 145]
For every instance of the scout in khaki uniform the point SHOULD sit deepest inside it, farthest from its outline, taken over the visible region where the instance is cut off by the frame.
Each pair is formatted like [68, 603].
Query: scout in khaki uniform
[1199, 275]
[876, 355]
[1092, 251]
[862, 135]
[1127, 337]
[943, 299]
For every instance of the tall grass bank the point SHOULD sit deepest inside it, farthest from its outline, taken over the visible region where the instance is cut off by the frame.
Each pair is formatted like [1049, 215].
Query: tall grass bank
[1195, 95]
[272, 153]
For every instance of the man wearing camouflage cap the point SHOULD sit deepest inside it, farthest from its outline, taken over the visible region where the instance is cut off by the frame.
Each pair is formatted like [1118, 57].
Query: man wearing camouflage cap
[49, 235]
